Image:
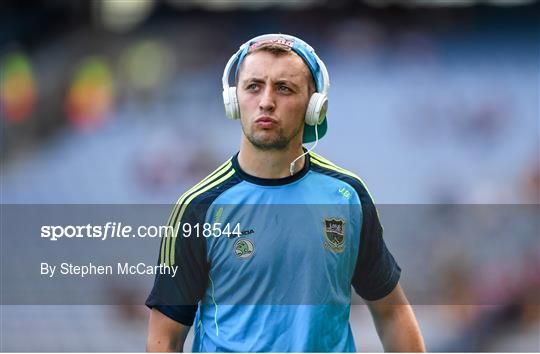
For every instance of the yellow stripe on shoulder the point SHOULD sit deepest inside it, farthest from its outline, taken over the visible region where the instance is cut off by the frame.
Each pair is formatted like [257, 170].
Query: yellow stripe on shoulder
[165, 242]
[226, 165]
[323, 162]
[185, 205]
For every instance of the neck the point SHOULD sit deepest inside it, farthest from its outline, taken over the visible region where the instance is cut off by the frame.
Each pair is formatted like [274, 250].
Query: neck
[269, 163]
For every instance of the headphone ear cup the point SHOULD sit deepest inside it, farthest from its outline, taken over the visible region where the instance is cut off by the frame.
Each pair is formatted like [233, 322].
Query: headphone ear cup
[316, 110]
[230, 101]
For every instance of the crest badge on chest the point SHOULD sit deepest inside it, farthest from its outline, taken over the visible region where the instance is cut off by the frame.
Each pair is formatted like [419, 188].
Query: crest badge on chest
[334, 230]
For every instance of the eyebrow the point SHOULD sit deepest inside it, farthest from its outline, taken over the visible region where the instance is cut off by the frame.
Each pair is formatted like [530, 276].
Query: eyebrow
[252, 79]
[280, 81]
[287, 82]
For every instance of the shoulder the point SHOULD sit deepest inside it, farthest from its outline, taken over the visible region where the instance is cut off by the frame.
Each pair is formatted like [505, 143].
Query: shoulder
[324, 166]
[202, 194]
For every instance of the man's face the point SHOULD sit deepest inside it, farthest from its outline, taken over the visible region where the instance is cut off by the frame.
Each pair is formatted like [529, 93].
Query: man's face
[273, 95]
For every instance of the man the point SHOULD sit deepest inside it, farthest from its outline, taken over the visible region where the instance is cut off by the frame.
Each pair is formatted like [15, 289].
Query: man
[301, 230]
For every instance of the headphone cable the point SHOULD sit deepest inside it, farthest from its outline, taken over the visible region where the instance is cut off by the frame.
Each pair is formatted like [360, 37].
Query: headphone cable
[291, 167]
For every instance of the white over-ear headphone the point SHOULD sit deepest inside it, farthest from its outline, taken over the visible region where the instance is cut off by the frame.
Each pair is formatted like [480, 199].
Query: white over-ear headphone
[318, 102]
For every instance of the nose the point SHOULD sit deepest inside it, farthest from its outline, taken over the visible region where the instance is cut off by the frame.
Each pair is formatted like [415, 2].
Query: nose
[267, 102]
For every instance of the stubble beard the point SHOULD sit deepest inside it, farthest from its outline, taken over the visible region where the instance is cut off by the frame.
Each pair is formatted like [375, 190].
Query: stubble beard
[279, 142]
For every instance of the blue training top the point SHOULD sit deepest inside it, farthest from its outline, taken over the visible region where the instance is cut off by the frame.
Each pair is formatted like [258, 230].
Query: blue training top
[268, 264]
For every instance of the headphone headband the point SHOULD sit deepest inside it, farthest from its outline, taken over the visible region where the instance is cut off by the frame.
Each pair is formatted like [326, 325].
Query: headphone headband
[305, 51]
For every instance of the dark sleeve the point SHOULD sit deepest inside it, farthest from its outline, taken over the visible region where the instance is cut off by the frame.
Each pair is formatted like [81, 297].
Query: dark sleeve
[376, 273]
[177, 296]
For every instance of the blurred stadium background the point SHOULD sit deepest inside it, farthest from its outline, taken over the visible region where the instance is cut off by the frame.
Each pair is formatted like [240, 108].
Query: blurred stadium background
[432, 102]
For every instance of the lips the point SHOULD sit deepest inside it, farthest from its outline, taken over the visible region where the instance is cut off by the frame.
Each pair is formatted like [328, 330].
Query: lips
[265, 122]
[265, 119]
